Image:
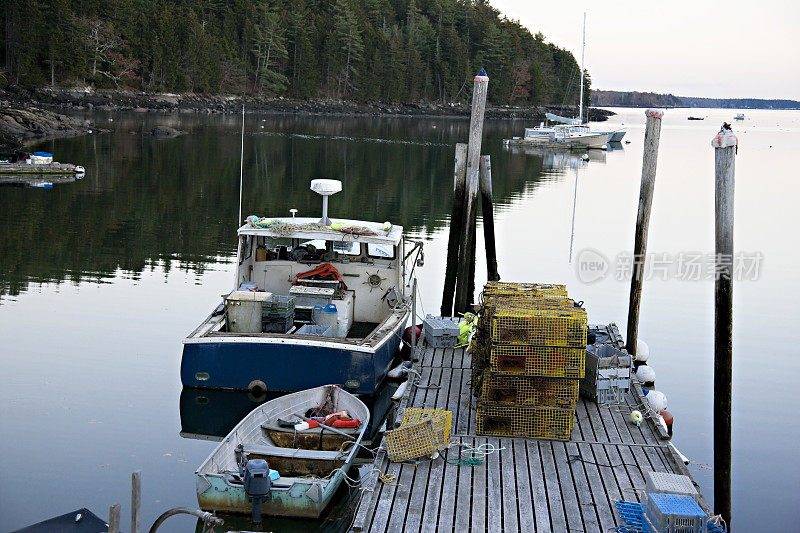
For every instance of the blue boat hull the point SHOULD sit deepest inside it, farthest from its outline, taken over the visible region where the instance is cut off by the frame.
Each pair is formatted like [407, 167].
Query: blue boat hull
[236, 364]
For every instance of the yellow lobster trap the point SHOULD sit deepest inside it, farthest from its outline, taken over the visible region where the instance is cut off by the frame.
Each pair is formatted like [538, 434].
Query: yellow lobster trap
[540, 324]
[422, 433]
[528, 391]
[522, 421]
[540, 361]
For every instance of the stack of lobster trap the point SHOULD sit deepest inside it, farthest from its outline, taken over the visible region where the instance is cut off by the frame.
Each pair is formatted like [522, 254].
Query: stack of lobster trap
[528, 356]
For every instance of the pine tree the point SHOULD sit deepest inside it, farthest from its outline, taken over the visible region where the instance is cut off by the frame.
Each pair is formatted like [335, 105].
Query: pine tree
[348, 36]
[269, 48]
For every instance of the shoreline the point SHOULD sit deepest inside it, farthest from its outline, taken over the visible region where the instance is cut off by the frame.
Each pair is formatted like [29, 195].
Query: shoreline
[16, 101]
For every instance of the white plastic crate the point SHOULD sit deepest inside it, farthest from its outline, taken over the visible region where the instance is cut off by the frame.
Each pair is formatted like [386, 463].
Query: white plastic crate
[440, 332]
[666, 483]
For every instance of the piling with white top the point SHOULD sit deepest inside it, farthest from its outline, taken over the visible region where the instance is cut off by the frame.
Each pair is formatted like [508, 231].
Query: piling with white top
[725, 146]
[652, 135]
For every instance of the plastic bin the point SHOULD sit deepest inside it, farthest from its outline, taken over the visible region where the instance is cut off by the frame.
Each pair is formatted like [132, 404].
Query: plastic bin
[440, 332]
[673, 513]
[277, 325]
[313, 329]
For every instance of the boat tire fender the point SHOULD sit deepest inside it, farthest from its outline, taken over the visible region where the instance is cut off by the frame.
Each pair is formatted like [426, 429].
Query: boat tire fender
[257, 388]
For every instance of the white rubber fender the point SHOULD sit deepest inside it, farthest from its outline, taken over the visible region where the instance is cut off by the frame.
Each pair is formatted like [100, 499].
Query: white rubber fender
[642, 351]
[657, 401]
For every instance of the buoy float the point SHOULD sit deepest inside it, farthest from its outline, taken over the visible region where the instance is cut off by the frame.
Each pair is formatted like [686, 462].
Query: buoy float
[642, 351]
[662, 423]
[636, 417]
[657, 400]
[646, 375]
[407, 333]
[667, 416]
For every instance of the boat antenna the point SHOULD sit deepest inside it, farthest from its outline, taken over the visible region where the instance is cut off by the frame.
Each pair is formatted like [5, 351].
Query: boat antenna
[241, 172]
[583, 49]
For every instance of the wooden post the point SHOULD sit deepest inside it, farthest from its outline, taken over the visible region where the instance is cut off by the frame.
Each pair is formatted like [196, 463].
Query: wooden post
[113, 518]
[413, 318]
[488, 218]
[725, 146]
[136, 500]
[463, 296]
[459, 179]
[652, 134]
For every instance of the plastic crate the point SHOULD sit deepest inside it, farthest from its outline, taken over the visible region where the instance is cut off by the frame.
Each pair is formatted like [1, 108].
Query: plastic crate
[411, 441]
[673, 513]
[542, 361]
[278, 306]
[632, 514]
[277, 325]
[540, 326]
[440, 332]
[442, 421]
[522, 421]
[313, 329]
[666, 483]
[528, 390]
[422, 433]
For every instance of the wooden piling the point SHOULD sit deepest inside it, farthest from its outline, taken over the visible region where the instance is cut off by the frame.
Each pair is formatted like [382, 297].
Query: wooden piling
[453, 242]
[725, 146]
[113, 518]
[463, 295]
[136, 500]
[413, 318]
[487, 209]
[652, 135]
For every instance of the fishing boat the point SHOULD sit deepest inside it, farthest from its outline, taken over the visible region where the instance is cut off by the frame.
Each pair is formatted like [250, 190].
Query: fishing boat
[303, 467]
[314, 301]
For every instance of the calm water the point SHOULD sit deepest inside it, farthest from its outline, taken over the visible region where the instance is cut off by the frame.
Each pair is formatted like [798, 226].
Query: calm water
[100, 280]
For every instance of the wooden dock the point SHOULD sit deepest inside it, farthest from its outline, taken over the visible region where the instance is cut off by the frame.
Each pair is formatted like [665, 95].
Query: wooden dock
[529, 484]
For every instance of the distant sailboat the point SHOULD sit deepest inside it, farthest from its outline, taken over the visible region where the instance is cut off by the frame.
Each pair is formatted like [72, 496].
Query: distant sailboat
[577, 134]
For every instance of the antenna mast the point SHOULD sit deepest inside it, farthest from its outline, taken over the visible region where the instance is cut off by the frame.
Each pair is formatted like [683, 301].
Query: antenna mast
[241, 172]
[583, 49]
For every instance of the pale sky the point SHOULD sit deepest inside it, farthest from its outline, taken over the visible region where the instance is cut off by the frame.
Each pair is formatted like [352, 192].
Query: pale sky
[734, 49]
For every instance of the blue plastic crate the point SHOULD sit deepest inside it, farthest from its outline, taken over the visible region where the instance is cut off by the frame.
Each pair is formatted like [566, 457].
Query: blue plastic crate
[632, 514]
[673, 513]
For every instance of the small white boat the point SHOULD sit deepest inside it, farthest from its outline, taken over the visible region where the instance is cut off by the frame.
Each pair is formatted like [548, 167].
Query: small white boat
[579, 137]
[740, 116]
[305, 466]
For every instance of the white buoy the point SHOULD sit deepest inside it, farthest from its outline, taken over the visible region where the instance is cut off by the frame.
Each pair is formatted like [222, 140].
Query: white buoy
[657, 400]
[646, 374]
[400, 391]
[642, 351]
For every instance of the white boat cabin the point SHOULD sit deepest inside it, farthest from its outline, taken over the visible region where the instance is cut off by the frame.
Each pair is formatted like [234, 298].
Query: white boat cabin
[358, 266]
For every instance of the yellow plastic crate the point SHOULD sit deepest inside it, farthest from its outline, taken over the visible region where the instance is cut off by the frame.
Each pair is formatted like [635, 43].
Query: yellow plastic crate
[412, 441]
[528, 390]
[442, 421]
[522, 421]
[540, 361]
[540, 326]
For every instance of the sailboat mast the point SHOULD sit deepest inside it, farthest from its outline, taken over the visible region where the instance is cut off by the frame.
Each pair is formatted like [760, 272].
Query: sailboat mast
[583, 49]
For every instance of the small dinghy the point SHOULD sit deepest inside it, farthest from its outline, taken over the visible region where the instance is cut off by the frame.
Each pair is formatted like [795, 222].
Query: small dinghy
[287, 457]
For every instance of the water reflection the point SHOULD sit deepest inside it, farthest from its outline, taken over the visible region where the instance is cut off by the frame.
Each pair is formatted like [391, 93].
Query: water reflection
[146, 201]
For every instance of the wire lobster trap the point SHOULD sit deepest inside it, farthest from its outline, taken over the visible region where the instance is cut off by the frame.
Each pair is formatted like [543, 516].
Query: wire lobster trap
[540, 325]
[422, 433]
[528, 390]
[540, 361]
[523, 421]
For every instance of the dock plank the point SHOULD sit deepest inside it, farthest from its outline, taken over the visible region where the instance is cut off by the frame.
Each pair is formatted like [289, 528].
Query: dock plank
[530, 485]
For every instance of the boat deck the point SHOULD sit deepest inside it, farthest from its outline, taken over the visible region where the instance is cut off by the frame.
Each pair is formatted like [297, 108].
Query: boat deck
[530, 484]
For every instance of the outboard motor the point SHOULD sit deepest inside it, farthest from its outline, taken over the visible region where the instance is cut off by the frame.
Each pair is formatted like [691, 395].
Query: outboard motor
[256, 485]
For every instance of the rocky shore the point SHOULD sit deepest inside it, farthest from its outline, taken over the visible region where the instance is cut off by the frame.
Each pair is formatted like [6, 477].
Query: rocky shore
[27, 115]
[21, 126]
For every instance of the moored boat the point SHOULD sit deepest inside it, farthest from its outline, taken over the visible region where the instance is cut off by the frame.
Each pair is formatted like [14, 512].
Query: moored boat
[314, 302]
[304, 467]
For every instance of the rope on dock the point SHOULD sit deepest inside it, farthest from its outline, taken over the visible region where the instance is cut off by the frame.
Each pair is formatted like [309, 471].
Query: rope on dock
[474, 456]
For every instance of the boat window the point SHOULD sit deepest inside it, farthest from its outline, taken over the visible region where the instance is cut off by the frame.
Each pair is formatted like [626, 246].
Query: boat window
[381, 251]
[347, 248]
